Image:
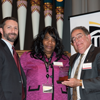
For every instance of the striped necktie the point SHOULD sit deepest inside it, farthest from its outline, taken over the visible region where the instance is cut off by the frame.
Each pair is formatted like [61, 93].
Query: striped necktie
[74, 96]
[18, 66]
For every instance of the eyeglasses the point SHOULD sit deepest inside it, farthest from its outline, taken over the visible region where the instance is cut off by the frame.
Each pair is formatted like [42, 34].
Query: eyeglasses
[78, 36]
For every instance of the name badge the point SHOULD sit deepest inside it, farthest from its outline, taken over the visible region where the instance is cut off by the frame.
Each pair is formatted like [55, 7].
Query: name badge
[87, 66]
[58, 64]
[47, 88]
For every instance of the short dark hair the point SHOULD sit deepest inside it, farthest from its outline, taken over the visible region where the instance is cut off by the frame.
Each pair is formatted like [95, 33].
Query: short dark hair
[5, 19]
[84, 29]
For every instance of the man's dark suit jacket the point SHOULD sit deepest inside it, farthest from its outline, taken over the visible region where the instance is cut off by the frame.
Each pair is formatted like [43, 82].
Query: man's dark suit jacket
[90, 77]
[10, 79]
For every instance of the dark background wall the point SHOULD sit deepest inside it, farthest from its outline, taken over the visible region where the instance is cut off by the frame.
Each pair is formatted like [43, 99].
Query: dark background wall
[28, 31]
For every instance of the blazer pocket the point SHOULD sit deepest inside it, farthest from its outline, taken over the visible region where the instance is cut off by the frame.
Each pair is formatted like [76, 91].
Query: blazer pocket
[65, 92]
[36, 89]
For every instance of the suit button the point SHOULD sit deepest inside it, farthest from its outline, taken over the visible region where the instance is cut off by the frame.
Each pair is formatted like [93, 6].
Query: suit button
[20, 93]
[20, 82]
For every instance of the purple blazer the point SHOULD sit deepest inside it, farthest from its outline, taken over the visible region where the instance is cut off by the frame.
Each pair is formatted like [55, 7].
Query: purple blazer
[35, 72]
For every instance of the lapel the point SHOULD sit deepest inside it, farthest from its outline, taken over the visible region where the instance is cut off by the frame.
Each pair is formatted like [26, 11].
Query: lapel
[89, 58]
[73, 59]
[72, 62]
[14, 67]
[6, 49]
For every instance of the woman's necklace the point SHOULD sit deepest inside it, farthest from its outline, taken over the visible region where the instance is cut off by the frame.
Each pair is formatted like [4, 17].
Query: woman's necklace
[47, 65]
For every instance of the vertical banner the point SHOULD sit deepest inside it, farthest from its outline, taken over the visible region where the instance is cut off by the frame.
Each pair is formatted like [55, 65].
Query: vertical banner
[47, 12]
[35, 12]
[92, 22]
[60, 16]
[7, 8]
[22, 9]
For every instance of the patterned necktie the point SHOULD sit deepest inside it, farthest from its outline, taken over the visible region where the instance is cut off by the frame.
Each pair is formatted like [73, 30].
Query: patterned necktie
[74, 97]
[18, 66]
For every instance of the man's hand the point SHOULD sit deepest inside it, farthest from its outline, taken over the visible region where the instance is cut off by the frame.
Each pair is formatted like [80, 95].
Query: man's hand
[72, 82]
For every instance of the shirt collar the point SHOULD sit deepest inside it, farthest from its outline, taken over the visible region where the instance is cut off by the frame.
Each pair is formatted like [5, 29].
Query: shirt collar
[87, 49]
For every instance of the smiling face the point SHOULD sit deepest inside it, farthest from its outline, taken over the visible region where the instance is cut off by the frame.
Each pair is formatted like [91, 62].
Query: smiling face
[81, 40]
[49, 44]
[10, 31]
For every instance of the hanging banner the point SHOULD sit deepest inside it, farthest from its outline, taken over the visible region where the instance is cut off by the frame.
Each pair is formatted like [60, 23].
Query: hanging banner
[60, 16]
[35, 13]
[6, 8]
[22, 11]
[92, 22]
[47, 12]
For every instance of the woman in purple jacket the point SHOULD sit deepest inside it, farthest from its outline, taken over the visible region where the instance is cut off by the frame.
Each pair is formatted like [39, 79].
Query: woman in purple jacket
[43, 66]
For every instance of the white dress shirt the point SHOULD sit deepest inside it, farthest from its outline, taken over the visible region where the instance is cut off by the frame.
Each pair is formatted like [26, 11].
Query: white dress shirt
[79, 72]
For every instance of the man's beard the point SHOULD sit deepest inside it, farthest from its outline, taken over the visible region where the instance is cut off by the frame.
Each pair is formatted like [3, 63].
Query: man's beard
[7, 36]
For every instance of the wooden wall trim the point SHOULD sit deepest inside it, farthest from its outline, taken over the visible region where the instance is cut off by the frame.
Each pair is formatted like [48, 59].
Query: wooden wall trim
[20, 52]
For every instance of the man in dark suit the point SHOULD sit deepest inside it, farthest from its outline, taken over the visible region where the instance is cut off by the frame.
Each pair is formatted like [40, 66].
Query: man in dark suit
[84, 73]
[12, 81]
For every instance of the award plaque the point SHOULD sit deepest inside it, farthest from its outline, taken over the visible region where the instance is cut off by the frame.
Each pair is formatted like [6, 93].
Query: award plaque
[63, 74]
